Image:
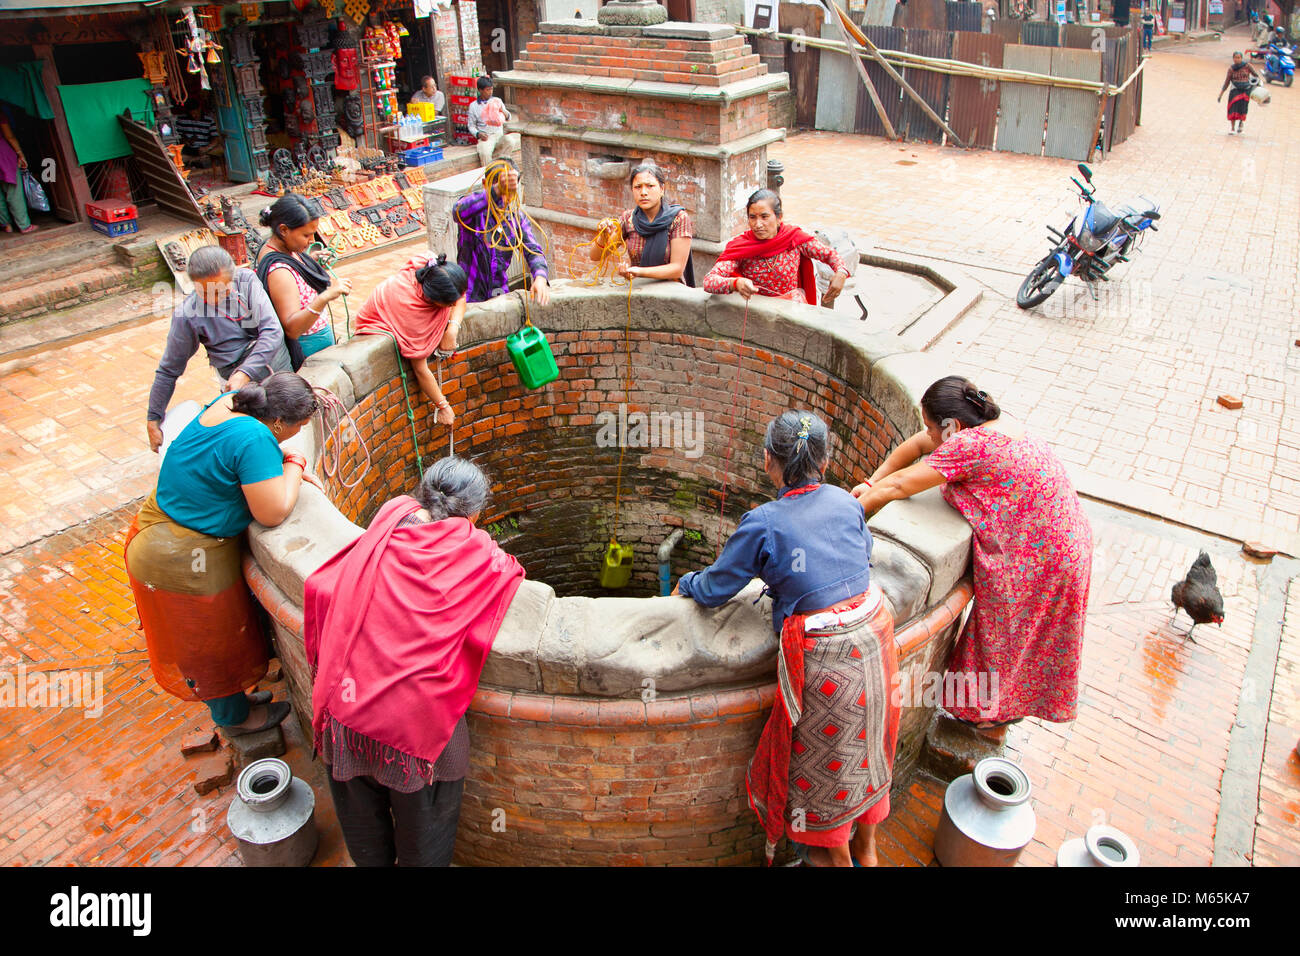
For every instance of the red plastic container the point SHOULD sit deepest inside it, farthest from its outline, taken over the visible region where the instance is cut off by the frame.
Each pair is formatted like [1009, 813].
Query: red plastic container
[465, 81]
[111, 210]
[458, 100]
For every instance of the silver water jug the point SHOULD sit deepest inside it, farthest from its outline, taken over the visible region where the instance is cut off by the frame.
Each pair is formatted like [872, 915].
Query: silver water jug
[987, 819]
[1102, 845]
[273, 815]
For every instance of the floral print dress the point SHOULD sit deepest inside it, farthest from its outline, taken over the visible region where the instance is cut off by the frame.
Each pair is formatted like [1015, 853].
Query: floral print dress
[1032, 567]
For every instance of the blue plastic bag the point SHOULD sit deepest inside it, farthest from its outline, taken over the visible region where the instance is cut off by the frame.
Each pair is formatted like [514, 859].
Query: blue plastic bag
[36, 198]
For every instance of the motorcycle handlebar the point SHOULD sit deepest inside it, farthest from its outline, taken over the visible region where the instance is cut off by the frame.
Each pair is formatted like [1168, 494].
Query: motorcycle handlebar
[1082, 188]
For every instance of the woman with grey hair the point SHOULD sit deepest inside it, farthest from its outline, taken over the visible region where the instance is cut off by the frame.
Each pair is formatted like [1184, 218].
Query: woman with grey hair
[228, 312]
[397, 628]
[823, 767]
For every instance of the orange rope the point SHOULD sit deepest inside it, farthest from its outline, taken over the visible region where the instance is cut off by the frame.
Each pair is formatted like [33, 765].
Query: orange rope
[612, 252]
[627, 385]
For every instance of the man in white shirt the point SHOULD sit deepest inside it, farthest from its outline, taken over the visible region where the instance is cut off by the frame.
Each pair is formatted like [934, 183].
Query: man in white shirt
[487, 120]
[429, 93]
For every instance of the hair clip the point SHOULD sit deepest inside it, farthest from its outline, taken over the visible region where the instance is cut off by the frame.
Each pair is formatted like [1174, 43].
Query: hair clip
[805, 424]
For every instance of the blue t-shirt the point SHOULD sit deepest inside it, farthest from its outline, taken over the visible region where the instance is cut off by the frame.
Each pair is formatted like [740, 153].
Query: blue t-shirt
[199, 483]
[811, 550]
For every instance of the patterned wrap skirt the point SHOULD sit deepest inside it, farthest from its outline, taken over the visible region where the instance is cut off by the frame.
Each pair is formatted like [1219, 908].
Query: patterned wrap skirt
[825, 759]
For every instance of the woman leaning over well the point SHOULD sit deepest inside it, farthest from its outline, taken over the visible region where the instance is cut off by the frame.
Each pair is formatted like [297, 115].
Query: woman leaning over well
[184, 549]
[420, 309]
[825, 760]
[397, 628]
[1032, 553]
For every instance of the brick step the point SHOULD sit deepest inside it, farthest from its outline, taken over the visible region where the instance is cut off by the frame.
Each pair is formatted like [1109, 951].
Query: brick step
[67, 291]
[56, 260]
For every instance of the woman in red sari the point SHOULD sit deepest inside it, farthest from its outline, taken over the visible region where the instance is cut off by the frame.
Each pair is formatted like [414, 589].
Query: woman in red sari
[773, 258]
[397, 628]
[1019, 654]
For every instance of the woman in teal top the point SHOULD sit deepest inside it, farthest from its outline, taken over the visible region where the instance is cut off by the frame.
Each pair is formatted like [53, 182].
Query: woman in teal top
[183, 553]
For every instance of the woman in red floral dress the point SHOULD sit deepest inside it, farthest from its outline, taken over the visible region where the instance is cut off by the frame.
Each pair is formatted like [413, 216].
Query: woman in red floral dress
[1032, 554]
[775, 259]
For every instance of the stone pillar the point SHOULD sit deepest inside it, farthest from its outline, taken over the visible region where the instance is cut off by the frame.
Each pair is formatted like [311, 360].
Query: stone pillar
[593, 95]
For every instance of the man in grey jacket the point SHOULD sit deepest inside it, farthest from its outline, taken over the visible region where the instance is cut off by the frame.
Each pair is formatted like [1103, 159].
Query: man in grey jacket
[228, 312]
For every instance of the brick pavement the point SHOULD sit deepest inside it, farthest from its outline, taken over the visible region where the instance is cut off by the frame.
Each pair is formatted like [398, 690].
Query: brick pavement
[1147, 752]
[1124, 388]
[72, 437]
[109, 789]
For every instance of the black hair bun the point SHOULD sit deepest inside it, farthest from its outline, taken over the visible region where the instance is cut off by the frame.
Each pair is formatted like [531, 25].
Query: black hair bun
[442, 259]
[264, 217]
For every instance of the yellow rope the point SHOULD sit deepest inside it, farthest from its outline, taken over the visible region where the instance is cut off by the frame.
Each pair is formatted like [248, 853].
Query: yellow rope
[613, 250]
[499, 211]
[627, 385]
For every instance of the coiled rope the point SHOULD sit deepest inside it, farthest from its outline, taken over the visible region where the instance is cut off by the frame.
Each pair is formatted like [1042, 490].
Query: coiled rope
[333, 413]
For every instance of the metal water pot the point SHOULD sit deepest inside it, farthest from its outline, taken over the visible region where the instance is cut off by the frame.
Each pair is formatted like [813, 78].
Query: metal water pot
[273, 815]
[1102, 845]
[987, 818]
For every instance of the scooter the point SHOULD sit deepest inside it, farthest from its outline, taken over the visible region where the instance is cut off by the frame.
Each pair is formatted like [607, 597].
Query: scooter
[1094, 241]
[1279, 64]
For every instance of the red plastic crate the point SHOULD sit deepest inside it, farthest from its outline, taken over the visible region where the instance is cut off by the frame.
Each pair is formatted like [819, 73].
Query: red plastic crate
[467, 81]
[111, 210]
[458, 100]
[461, 118]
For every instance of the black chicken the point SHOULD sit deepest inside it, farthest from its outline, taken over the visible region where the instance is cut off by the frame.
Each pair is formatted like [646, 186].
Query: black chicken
[1198, 595]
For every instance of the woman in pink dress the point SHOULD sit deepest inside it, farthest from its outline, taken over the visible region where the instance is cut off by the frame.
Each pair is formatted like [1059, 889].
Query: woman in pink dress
[1019, 654]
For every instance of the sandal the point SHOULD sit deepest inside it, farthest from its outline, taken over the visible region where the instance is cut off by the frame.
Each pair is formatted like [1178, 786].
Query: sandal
[275, 714]
[259, 697]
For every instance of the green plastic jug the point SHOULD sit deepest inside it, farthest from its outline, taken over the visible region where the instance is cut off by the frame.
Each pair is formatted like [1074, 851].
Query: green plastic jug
[616, 570]
[532, 357]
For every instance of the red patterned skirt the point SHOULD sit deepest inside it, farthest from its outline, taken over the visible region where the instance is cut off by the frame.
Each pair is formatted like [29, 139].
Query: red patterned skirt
[825, 759]
[1238, 102]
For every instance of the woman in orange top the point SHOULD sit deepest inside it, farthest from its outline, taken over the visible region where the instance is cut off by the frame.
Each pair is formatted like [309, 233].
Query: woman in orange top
[421, 308]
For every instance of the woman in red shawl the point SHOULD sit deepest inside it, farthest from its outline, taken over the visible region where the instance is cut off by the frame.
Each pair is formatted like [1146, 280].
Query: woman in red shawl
[397, 628]
[421, 309]
[774, 259]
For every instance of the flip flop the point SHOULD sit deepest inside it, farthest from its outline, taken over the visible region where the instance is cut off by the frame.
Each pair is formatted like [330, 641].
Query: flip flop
[275, 714]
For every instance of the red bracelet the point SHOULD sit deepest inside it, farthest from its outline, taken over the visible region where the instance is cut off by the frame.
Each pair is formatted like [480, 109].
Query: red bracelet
[293, 458]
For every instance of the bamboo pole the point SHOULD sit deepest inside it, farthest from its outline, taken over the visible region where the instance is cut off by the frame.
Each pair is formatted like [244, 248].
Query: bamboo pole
[875, 54]
[956, 67]
[866, 81]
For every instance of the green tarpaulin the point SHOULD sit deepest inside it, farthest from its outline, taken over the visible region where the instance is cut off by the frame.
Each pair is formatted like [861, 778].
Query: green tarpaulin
[92, 110]
[21, 85]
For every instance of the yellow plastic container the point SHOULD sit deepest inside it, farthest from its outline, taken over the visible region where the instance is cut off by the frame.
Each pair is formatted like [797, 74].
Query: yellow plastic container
[426, 111]
[616, 569]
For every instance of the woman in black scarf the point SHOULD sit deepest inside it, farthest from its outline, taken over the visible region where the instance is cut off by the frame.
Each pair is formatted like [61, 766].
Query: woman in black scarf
[657, 233]
[1241, 77]
[299, 286]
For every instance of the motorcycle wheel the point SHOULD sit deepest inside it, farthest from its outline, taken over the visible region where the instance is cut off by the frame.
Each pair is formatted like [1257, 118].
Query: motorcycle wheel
[1289, 79]
[1039, 284]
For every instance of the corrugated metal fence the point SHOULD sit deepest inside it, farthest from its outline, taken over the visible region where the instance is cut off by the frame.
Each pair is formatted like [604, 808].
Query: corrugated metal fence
[986, 113]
